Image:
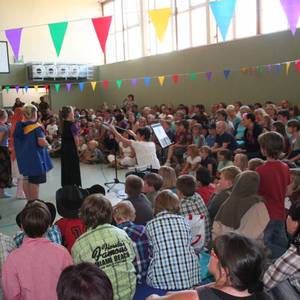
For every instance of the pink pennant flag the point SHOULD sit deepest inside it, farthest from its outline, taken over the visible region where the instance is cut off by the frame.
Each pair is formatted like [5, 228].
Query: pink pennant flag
[101, 26]
[69, 86]
[105, 84]
[297, 65]
[292, 12]
[14, 38]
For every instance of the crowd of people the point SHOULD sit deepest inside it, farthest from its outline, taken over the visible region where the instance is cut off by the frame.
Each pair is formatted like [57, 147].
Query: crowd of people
[227, 188]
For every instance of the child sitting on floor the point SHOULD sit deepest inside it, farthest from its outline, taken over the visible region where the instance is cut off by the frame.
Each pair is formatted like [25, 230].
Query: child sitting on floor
[192, 161]
[124, 216]
[241, 161]
[32, 271]
[174, 264]
[224, 159]
[152, 184]
[208, 161]
[92, 155]
[205, 188]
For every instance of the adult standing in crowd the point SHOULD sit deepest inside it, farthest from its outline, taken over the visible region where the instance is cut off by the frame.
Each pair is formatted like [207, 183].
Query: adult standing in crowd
[31, 152]
[70, 167]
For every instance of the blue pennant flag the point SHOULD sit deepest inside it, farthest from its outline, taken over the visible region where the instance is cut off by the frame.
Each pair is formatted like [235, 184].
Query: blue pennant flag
[226, 73]
[81, 86]
[147, 81]
[223, 11]
[278, 68]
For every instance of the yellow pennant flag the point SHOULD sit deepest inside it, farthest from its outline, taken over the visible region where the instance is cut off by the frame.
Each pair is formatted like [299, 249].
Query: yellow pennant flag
[161, 80]
[93, 84]
[36, 87]
[160, 19]
[287, 67]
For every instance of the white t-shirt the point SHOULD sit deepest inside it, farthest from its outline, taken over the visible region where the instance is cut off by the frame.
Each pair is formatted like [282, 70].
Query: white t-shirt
[52, 129]
[193, 161]
[146, 154]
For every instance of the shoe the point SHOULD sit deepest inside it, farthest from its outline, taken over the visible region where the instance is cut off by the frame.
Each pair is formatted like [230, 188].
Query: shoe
[5, 195]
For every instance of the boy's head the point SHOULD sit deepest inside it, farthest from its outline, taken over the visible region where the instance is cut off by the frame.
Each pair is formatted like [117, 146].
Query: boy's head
[92, 144]
[133, 185]
[166, 200]
[205, 151]
[203, 176]
[254, 163]
[124, 211]
[96, 210]
[225, 155]
[152, 182]
[35, 219]
[186, 186]
[227, 177]
[271, 144]
[293, 126]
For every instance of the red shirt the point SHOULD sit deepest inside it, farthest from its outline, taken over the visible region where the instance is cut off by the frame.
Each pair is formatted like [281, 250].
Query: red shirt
[70, 229]
[274, 179]
[206, 192]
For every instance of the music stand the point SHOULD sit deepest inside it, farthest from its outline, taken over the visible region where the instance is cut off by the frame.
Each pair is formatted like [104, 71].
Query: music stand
[161, 135]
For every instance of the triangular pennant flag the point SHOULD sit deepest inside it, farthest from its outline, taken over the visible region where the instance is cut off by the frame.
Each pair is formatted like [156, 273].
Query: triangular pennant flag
[7, 88]
[269, 67]
[57, 87]
[14, 38]
[105, 84]
[161, 80]
[119, 83]
[160, 19]
[36, 87]
[278, 68]
[17, 87]
[208, 75]
[243, 70]
[175, 78]
[147, 81]
[93, 84]
[68, 86]
[193, 76]
[226, 73]
[134, 82]
[26, 87]
[223, 12]
[81, 86]
[47, 87]
[287, 67]
[292, 12]
[58, 31]
[261, 69]
[297, 65]
[101, 26]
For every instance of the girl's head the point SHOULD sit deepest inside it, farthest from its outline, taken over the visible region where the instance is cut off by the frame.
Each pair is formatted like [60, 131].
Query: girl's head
[238, 262]
[67, 113]
[224, 155]
[30, 112]
[143, 134]
[241, 161]
[205, 151]
[197, 129]
[81, 140]
[166, 200]
[279, 127]
[193, 150]
[293, 223]
[254, 163]
[293, 188]
[3, 115]
[293, 126]
[169, 177]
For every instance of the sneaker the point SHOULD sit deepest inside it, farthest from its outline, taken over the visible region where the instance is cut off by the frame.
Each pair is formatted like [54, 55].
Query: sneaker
[5, 195]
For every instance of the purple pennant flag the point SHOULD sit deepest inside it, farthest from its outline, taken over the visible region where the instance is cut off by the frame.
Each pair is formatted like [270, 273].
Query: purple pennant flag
[208, 75]
[134, 82]
[269, 67]
[14, 38]
[17, 88]
[292, 12]
[68, 86]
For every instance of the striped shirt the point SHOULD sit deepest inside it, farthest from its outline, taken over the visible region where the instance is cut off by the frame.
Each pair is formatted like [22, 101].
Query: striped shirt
[173, 264]
[109, 248]
[285, 267]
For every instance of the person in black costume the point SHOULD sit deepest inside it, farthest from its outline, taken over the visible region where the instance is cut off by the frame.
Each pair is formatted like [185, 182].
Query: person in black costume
[70, 167]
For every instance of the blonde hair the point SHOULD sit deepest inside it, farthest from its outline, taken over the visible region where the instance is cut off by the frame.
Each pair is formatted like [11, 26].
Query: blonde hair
[169, 177]
[124, 209]
[296, 180]
[93, 142]
[194, 150]
[205, 149]
[28, 111]
[166, 200]
[243, 161]
[230, 172]
[254, 163]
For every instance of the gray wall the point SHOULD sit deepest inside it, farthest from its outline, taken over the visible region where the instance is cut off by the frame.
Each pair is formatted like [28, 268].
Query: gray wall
[265, 49]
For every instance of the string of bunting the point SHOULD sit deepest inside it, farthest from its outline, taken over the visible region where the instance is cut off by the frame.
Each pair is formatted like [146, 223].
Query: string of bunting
[222, 10]
[175, 78]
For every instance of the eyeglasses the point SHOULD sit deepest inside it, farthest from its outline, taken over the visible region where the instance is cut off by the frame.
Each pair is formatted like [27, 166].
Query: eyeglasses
[213, 253]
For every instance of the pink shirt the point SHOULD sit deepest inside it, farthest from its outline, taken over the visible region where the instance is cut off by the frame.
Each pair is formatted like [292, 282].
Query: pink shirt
[31, 272]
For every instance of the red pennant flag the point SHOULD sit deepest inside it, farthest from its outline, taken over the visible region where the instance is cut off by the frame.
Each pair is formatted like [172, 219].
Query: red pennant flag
[47, 87]
[175, 78]
[101, 26]
[297, 65]
[105, 84]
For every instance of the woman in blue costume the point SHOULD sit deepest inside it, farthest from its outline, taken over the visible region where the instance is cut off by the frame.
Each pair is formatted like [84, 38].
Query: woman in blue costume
[31, 152]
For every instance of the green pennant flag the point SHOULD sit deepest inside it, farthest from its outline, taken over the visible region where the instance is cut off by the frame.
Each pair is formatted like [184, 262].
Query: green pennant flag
[261, 69]
[119, 83]
[193, 76]
[7, 88]
[57, 87]
[58, 31]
